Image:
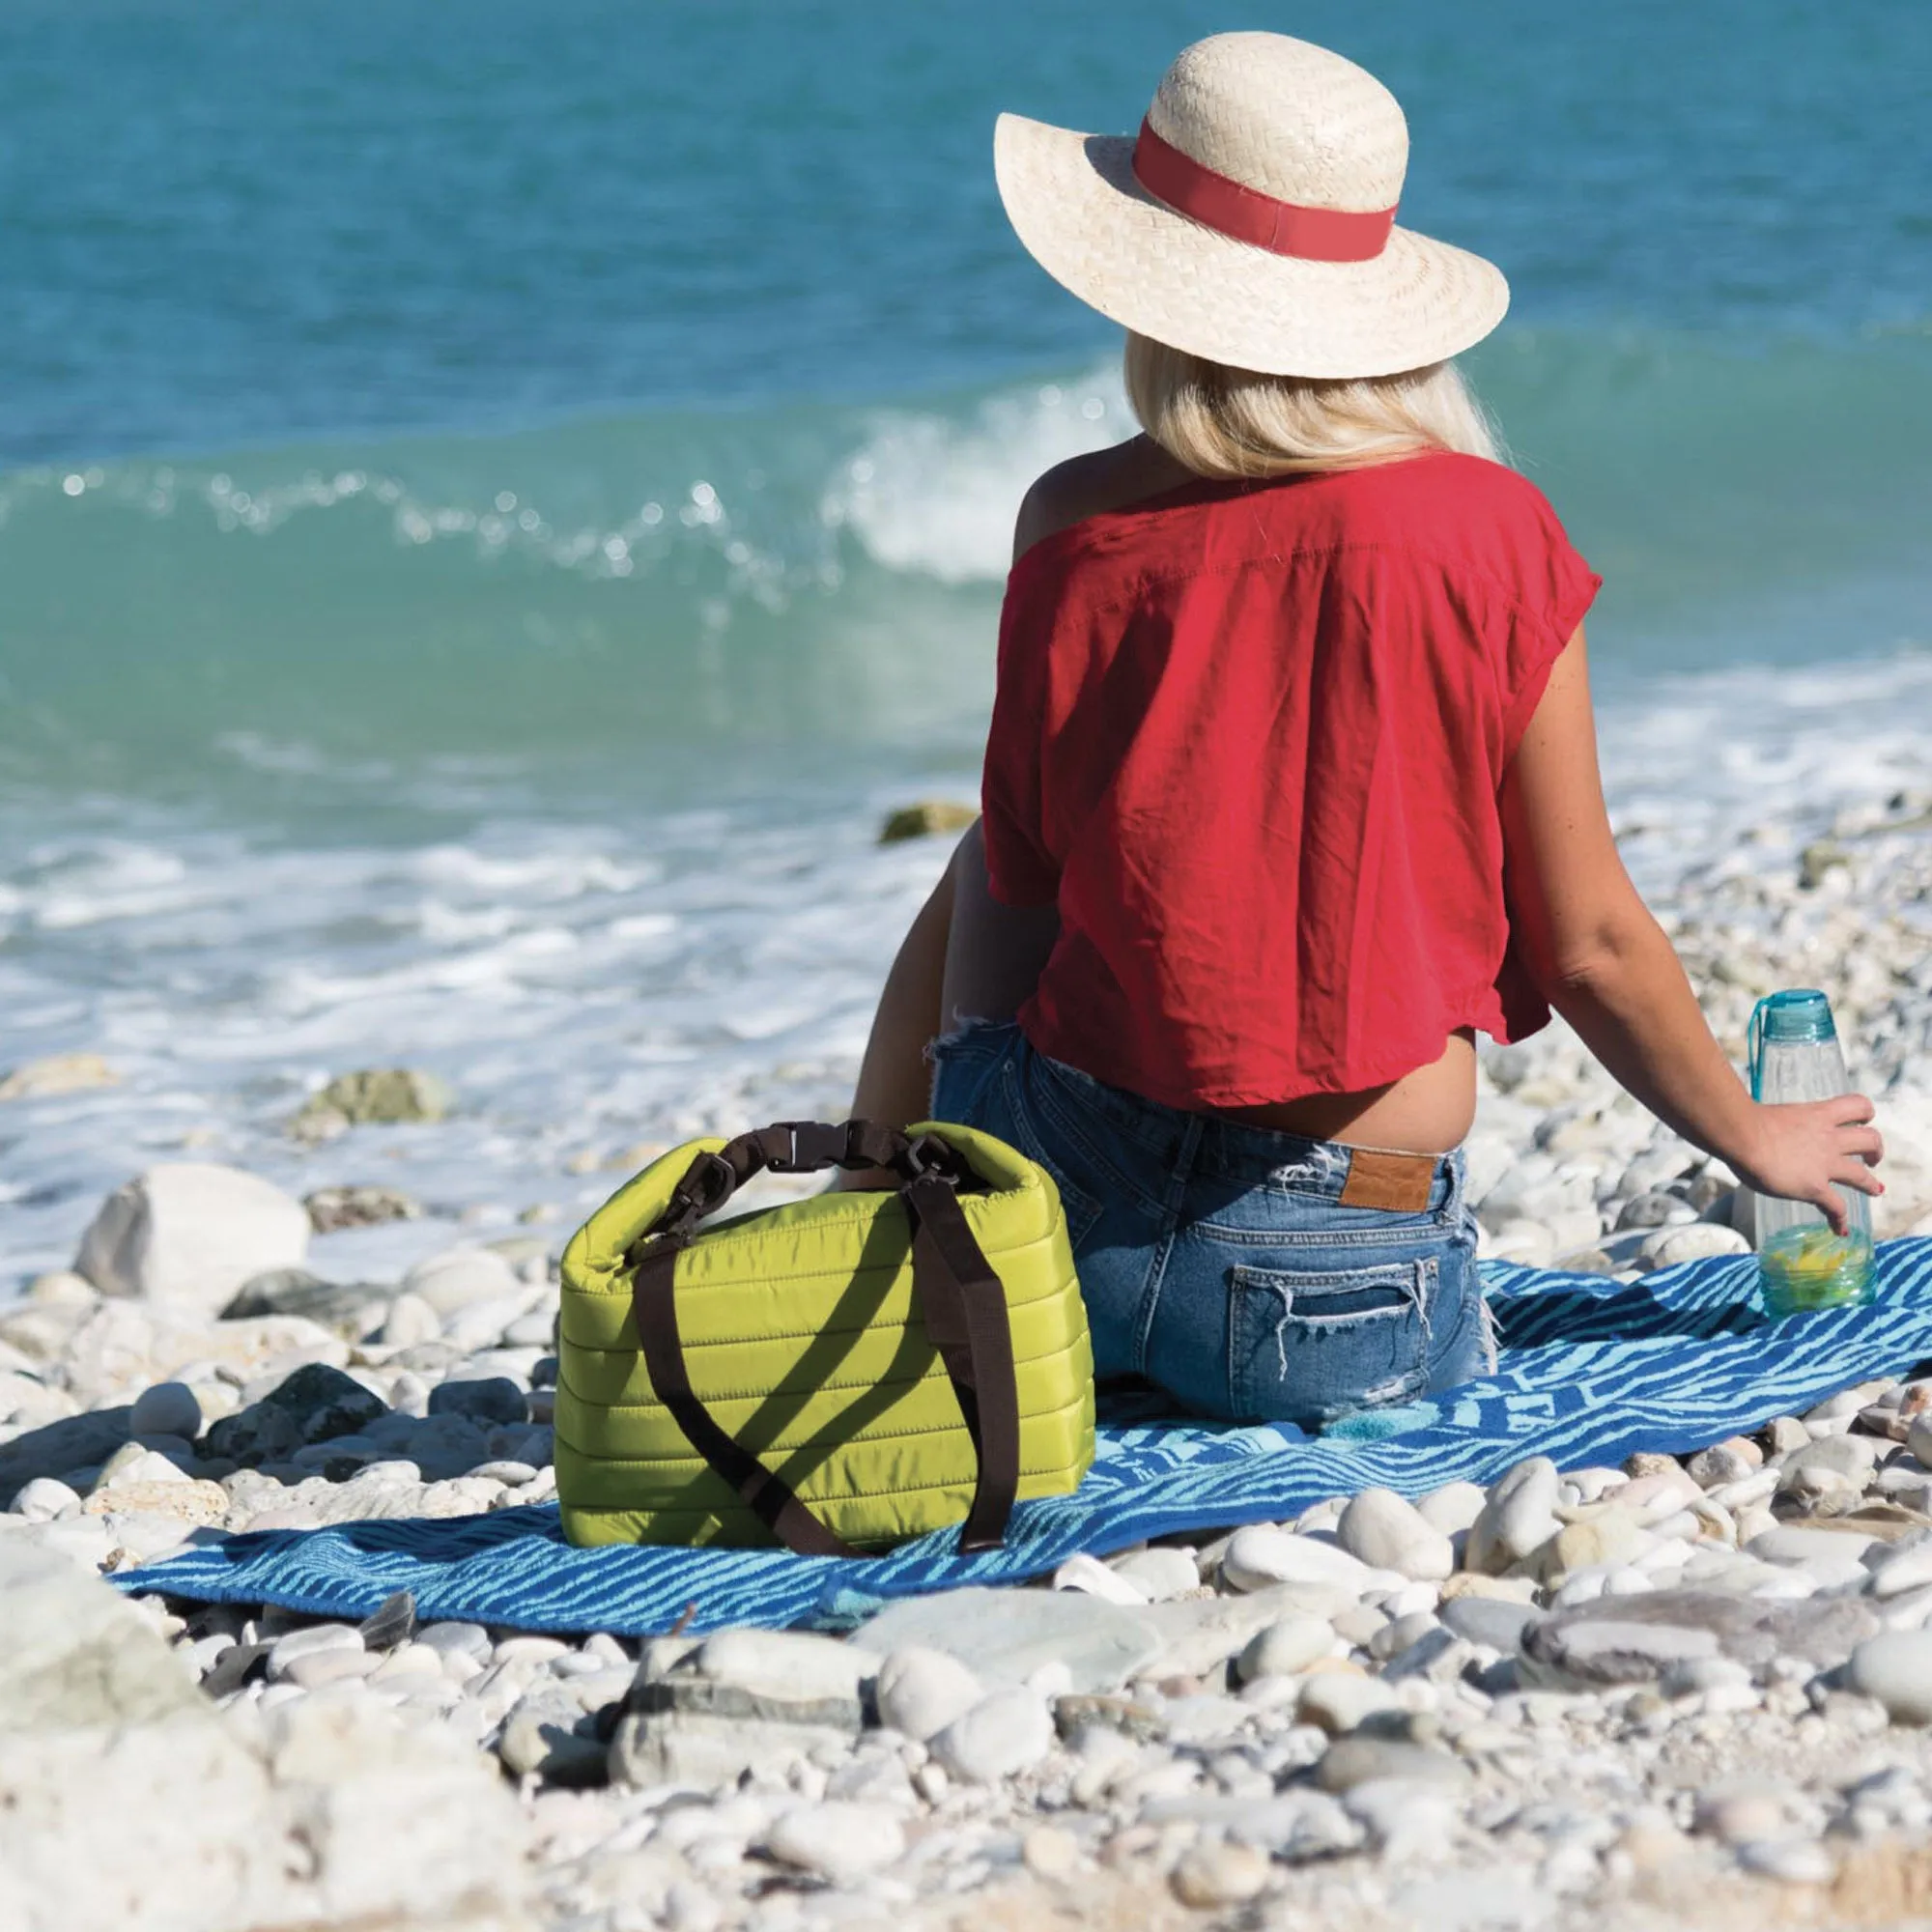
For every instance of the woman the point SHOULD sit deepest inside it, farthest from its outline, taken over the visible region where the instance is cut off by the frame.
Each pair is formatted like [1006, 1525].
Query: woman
[1291, 783]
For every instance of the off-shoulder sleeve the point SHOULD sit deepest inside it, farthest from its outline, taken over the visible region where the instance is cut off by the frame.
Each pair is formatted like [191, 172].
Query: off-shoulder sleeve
[1020, 868]
[1553, 589]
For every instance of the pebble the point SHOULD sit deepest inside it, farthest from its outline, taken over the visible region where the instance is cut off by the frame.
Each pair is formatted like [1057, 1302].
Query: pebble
[1338, 1701]
[1519, 1517]
[1363, 1759]
[167, 1408]
[1096, 1579]
[311, 1640]
[1222, 1872]
[1007, 1732]
[839, 1842]
[788, 1665]
[1453, 1508]
[920, 1691]
[1895, 1668]
[1388, 1533]
[1160, 1575]
[489, 1400]
[44, 1498]
[1787, 1861]
[1007, 1635]
[1669, 1247]
[1286, 1646]
[1261, 1554]
[1049, 1851]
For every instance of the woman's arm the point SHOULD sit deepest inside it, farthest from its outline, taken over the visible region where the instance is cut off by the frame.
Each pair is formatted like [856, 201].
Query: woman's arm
[966, 957]
[1604, 964]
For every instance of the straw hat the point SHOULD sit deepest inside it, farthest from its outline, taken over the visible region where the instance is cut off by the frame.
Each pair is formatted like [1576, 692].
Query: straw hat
[1252, 220]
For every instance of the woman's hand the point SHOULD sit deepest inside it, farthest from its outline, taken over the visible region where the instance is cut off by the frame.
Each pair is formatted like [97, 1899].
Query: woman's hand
[1806, 1150]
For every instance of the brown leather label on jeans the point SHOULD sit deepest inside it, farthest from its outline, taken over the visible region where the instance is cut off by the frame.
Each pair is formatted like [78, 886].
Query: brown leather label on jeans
[1397, 1183]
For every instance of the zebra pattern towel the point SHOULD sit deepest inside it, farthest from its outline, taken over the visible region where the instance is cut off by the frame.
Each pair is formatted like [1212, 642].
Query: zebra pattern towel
[1591, 1370]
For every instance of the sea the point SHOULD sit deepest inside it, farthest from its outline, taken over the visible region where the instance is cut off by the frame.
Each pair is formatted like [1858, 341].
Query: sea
[497, 501]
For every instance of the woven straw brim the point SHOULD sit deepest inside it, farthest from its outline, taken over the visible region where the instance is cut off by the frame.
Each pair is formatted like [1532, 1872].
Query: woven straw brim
[1073, 201]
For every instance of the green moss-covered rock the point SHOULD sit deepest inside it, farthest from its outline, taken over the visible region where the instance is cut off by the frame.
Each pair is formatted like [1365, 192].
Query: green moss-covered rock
[383, 1095]
[927, 819]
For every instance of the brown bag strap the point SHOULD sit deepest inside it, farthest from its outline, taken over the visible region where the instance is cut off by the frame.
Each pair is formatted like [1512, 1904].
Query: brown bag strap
[959, 1295]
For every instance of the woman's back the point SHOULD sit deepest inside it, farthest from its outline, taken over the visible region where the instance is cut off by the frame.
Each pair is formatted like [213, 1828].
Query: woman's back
[1250, 737]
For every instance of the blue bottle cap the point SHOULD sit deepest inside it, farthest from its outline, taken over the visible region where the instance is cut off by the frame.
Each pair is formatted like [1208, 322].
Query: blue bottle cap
[1800, 1015]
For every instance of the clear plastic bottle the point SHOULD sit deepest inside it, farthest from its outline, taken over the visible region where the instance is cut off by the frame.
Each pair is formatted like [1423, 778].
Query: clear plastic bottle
[1795, 1056]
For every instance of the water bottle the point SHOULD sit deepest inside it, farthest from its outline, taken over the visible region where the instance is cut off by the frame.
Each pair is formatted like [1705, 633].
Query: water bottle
[1794, 1056]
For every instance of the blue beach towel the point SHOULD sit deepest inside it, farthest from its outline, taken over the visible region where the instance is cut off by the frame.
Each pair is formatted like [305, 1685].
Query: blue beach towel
[1591, 1370]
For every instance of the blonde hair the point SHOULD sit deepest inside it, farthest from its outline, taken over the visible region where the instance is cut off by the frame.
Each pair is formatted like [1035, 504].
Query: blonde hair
[1231, 423]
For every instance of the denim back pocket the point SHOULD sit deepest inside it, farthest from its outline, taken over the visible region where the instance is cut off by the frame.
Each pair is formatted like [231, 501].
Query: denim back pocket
[1306, 1344]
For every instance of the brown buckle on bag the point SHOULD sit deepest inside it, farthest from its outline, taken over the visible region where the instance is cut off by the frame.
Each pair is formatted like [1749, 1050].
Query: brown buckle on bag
[1396, 1183]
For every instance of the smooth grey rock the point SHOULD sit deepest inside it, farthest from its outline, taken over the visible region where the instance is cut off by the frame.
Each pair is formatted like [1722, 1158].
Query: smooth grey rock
[76, 1653]
[840, 1842]
[710, 1747]
[1006, 1635]
[1490, 1620]
[1698, 1241]
[1388, 1533]
[1654, 1209]
[349, 1309]
[1635, 1639]
[59, 1448]
[167, 1408]
[548, 1735]
[392, 1622]
[1453, 1508]
[459, 1276]
[1895, 1667]
[1902, 1567]
[312, 1640]
[489, 1401]
[1002, 1734]
[920, 1691]
[1361, 1758]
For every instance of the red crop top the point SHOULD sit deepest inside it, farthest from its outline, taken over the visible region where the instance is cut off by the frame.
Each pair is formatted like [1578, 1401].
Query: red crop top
[1250, 737]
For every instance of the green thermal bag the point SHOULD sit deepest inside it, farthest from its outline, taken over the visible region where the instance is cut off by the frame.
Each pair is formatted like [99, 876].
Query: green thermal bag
[837, 1374]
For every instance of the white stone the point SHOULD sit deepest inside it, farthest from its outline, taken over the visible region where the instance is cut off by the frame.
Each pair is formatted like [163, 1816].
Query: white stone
[840, 1842]
[76, 1654]
[1788, 1860]
[1007, 1732]
[1386, 1533]
[410, 1320]
[188, 1235]
[1895, 1667]
[788, 1665]
[1454, 1507]
[311, 1640]
[1695, 1241]
[146, 1465]
[1160, 1573]
[1094, 1577]
[44, 1498]
[1338, 1700]
[920, 1691]
[1222, 1872]
[1518, 1518]
[1902, 1567]
[458, 1276]
[168, 1409]
[1289, 1645]
[1261, 1554]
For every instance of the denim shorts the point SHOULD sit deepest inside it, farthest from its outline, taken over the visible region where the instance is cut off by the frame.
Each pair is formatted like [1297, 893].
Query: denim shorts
[1216, 1260]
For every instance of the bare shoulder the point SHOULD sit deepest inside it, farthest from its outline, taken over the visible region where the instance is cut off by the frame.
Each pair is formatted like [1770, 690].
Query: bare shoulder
[1085, 486]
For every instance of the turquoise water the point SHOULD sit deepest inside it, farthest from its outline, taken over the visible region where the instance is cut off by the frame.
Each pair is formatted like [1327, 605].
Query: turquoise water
[495, 501]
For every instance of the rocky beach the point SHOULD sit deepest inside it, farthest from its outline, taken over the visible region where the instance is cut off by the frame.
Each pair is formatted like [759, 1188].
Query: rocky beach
[1685, 1691]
